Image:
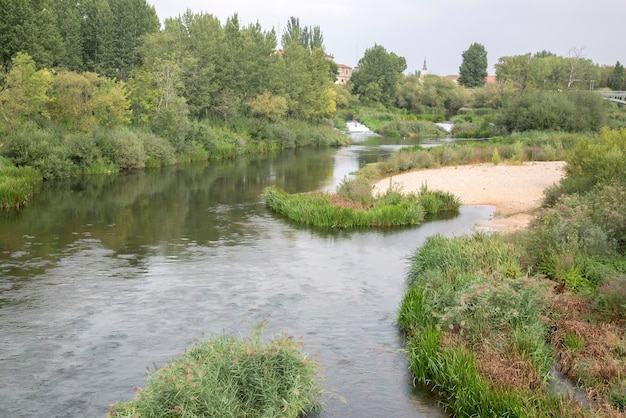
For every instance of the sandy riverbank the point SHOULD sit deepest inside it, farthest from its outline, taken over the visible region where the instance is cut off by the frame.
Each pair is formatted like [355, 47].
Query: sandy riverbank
[515, 190]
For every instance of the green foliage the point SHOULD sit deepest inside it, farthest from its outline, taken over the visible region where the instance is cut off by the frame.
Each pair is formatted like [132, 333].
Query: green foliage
[25, 95]
[357, 190]
[415, 128]
[122, 148]
[159, 151]
[611, 298]
[616, 79]
[495, 157]
[598, 161]
[376, 79]
[470, 289]
[571, 112]
[17, 185]
[223, 376]
[29, 27]
[473, 70]
[267, 106]
[329, 211]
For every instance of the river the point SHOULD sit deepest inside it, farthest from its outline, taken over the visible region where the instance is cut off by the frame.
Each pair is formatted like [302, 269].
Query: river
[104, 277]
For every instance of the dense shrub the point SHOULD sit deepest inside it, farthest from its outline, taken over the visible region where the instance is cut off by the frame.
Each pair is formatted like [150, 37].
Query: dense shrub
[574, 111]
[40, 149]
[280, 133]
[412, 128]
[159, 151]
[468, 314]
[122, 147]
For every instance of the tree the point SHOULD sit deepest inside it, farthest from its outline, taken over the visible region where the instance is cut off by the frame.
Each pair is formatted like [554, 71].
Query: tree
[111, 32]
[29, 26]
[473, 70]
[514, 70]
[25, 94]
[309, 37]
[616, 79]
[377, 78]
[81, 101]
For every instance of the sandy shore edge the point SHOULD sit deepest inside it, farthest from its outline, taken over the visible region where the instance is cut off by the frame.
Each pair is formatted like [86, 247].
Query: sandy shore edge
[515, 190]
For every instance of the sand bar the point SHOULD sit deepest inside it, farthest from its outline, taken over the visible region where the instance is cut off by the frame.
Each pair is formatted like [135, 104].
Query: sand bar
[515, 190]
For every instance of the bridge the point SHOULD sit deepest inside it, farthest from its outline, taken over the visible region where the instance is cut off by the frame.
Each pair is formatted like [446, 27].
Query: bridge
[614, 96]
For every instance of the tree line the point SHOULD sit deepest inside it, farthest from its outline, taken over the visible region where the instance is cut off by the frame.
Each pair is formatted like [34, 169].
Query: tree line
[77, 72]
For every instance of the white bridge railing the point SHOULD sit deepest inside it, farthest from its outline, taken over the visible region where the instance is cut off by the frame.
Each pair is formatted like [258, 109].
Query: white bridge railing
[614, 96]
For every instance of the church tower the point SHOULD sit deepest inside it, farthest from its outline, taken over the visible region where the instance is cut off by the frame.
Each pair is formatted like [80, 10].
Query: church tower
[424, 71]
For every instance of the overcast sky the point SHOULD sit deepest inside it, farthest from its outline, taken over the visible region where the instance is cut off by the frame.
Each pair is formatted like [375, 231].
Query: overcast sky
[437, 30]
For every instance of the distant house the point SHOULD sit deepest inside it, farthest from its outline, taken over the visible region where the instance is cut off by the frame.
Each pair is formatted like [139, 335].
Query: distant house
[454, 78]
[490, 79]
[344, 73]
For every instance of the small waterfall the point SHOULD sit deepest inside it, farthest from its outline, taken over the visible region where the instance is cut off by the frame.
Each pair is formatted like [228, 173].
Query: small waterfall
[447, 126]
[356, 127]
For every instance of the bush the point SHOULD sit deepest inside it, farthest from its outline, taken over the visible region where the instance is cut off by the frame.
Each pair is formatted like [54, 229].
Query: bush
[159, 151]
[224, 377]
[357, 190]
[121, 147]
[570, 112]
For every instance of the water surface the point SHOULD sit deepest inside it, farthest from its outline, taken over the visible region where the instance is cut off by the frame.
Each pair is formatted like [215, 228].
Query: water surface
[104, 277]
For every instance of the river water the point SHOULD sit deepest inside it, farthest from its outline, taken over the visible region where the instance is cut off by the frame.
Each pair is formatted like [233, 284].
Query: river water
[104, 277]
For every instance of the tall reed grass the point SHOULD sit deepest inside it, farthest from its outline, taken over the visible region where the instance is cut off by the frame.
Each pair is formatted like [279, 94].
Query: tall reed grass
[330, 211]
[17, 186]
[227, 377]
[468, 295]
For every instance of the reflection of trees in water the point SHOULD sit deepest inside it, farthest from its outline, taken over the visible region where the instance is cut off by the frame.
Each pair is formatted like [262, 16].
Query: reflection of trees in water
[204, 203]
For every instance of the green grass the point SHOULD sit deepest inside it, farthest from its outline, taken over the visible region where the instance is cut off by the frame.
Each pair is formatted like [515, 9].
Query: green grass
[226, 377]
[17, 186]
[334, 211]
[467, 295]
[487, 317]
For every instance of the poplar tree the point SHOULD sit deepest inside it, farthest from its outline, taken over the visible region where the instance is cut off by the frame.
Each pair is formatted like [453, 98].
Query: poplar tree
[473, 70]
[616, 79]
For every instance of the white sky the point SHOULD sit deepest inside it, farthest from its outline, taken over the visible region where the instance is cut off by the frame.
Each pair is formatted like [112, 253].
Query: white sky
[437, 30]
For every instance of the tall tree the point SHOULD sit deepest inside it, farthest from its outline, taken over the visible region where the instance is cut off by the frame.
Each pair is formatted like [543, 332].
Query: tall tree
[377, 78]
[69, 21]
[616, 79]
[29, 26]
[309, 37]
[473, 70]
[111, 32]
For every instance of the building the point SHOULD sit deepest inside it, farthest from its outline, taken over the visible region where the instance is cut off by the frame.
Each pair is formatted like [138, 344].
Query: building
[344, 73]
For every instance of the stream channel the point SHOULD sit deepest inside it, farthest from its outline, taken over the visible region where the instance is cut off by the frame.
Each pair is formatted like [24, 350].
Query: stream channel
[104, 277]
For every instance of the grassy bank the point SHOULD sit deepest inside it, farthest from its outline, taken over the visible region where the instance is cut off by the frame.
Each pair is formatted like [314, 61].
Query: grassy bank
[17, 185]
[354, 206]
[226, 377]
[487, 317]
[396, 124]
[515, 149]
[52, 152]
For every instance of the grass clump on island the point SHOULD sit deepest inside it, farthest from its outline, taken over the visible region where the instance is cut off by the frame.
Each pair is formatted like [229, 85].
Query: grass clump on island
[354, 206]
[488, 318]
[227, 377]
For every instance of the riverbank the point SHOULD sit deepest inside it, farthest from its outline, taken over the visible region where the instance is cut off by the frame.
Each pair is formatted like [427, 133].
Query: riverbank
[516, 191]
